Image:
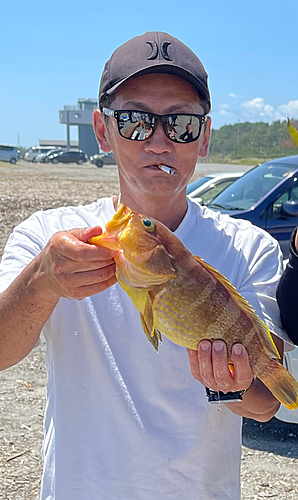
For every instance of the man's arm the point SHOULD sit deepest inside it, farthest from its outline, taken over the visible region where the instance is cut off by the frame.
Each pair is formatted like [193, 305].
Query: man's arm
[209, 365]
[287, 292]
[67, 267]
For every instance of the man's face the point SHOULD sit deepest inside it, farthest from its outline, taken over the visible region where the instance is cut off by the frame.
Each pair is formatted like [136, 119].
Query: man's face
[138, 160]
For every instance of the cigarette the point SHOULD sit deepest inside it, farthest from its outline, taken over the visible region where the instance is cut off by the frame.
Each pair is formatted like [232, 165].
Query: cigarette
[168, 170]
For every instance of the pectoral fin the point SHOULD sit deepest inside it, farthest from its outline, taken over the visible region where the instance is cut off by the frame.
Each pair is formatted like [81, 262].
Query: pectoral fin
[147, 320]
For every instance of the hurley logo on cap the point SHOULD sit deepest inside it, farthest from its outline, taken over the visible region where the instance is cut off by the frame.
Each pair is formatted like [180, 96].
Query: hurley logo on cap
[163, 50]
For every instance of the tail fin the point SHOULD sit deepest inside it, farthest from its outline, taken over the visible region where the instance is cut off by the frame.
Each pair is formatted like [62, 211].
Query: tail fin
[281, 383]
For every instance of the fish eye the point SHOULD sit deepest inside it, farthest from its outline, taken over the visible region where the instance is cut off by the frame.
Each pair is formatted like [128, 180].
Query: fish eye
[148, 225]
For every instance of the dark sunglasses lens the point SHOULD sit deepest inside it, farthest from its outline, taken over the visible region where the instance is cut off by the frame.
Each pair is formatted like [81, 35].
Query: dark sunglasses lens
[183, 128]
[135, 125]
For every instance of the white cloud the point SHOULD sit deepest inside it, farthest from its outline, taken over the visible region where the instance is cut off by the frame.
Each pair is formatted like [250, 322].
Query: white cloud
[233, 95]
[257, 108]
[290, 109]
[223, 109]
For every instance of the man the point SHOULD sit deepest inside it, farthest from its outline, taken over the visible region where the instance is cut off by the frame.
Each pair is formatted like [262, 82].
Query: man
[122, 422]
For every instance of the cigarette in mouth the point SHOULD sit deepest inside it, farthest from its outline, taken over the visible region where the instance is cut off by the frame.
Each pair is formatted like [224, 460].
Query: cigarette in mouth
[168, 170]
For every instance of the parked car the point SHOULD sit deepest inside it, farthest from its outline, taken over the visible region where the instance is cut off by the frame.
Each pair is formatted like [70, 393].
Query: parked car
[33, 152]
[103, 159]
[212, 186]
[43, 157]
[266, 195]
[291, 363]
[9, 153]
[78, 157]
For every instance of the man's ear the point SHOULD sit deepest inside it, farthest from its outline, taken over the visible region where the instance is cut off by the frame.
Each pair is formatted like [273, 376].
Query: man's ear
[100, 131]
[205, 143]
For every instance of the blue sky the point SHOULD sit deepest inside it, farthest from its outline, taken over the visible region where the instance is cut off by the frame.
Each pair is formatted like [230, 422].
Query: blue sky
[53, 53]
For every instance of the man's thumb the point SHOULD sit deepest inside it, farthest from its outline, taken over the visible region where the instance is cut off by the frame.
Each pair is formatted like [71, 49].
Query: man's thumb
[85, 233]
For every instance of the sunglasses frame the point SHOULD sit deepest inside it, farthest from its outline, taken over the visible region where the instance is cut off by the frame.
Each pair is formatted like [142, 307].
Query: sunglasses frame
[116, 114]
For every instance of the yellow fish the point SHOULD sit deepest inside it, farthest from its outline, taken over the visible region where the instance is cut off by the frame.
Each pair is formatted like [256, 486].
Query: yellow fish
[187, 300]
[293, 132]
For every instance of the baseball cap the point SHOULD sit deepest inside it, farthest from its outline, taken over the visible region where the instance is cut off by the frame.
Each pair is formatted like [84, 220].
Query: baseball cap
[154, 52]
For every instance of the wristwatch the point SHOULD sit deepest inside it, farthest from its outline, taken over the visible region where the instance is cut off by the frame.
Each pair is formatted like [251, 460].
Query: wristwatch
[217, 397]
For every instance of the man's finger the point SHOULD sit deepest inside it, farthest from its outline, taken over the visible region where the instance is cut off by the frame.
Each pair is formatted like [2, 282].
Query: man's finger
[221, 371]
[243, 372]
[67, 266]
[68, 245]
[85, 233]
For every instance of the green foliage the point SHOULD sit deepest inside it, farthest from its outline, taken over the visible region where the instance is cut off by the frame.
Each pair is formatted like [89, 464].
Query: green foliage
[260, 140]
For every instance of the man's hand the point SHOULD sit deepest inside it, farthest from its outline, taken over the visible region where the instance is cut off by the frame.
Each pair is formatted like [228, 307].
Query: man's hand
[67, 267]
[209, 365]
[74, 269]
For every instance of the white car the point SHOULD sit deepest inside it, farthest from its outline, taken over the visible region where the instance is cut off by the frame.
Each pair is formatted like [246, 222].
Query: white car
[35, 151]
[205, 189]
[291, 364]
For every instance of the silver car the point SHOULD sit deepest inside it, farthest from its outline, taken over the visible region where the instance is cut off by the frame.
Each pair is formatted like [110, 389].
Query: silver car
[33, 152]
[205, 189]
[8, 153]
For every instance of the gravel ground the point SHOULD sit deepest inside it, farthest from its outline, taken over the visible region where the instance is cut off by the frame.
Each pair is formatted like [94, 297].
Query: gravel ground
[270, 451]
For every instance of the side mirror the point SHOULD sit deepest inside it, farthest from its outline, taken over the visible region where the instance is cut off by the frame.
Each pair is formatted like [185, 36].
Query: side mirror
[289, 208]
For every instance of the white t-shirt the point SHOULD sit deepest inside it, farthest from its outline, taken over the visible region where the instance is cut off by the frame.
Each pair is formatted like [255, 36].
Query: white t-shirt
[122, 422]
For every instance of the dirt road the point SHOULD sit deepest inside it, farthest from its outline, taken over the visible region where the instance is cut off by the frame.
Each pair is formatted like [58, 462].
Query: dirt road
[270, 451]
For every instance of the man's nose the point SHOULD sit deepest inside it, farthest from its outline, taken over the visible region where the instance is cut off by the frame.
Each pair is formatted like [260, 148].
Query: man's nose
[158, 142]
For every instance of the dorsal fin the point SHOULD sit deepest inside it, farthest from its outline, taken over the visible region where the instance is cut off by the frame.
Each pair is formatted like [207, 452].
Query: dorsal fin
[266, 339]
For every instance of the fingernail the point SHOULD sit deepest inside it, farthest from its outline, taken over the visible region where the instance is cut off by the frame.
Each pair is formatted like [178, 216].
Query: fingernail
[237, 349]
[204, 346]
[218, 346]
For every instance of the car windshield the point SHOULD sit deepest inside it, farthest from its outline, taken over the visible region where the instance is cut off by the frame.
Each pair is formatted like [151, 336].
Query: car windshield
[247, 191]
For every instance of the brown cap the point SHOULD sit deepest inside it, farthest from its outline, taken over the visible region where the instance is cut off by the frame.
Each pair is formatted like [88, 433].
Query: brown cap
[154, 52]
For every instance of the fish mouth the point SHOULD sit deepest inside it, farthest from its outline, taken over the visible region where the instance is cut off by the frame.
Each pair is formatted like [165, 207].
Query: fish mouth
[122, 215]
[110, 237]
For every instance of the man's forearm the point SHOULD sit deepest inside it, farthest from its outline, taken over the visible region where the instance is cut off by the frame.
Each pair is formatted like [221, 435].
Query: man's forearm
[257, 403]
[24, 309]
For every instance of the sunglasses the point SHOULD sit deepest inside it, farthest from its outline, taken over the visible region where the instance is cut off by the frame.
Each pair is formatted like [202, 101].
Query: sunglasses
[140, 126]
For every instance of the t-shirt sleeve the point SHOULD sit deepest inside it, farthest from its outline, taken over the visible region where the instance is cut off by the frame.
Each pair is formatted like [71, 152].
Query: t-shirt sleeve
[263, 271]
[24, 244]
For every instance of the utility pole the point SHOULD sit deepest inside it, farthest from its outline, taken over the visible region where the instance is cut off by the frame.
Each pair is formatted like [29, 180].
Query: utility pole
[67, 131]
[238, 127]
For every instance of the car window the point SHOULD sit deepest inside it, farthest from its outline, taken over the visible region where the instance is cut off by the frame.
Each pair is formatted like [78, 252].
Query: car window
[253, 186]
[214, 191]
[290, 195]
[195, 184]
